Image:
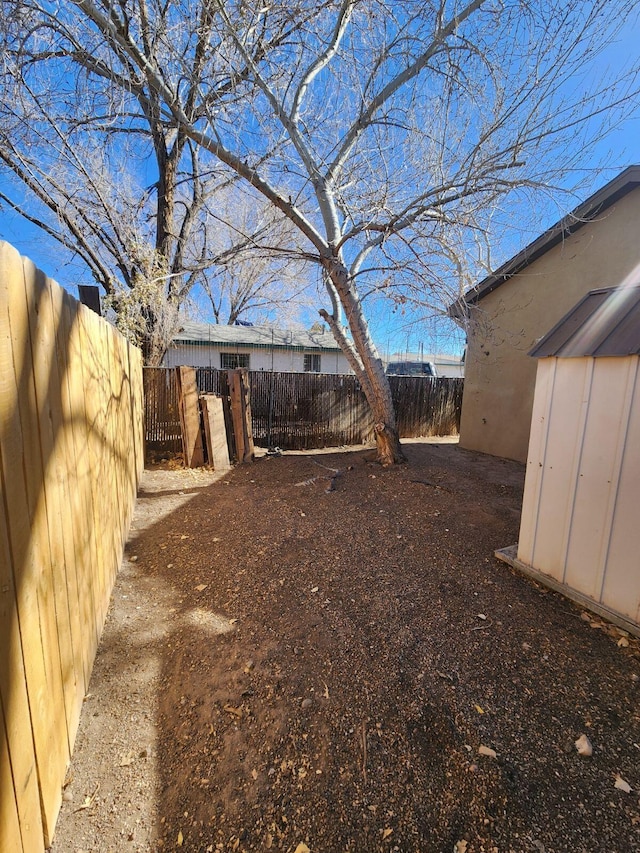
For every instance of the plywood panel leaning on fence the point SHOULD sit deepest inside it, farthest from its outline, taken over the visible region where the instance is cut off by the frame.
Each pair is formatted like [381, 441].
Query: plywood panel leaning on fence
[189, 417]
[241, 414]
[215, 432]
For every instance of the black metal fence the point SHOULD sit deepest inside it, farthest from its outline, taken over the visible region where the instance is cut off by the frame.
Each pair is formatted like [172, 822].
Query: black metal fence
[162, 430]
[301, 411]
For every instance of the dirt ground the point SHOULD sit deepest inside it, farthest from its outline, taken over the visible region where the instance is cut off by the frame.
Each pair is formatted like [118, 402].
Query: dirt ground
[312, 653]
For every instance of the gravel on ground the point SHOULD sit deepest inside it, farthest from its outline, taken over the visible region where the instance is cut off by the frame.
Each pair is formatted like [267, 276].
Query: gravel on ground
[313, 653]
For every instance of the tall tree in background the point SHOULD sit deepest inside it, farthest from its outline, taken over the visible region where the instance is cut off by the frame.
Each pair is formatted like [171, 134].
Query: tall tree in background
[253, 277]
[385, 132]
[89, 158]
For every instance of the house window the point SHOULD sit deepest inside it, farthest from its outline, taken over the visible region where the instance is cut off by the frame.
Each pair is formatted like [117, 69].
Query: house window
[232, 360]
[311, 363]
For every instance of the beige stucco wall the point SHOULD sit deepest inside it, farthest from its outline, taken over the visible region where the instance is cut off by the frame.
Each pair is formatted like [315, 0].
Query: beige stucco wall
[499, 375]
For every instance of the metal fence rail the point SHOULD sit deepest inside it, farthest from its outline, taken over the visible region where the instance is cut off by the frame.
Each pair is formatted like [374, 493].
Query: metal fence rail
[301, 411]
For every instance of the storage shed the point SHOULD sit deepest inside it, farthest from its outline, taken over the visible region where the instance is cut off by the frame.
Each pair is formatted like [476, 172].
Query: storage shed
[580, 526]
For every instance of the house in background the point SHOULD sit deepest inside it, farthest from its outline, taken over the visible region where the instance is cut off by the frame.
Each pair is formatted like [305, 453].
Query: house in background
[595, 246]
[255, 348]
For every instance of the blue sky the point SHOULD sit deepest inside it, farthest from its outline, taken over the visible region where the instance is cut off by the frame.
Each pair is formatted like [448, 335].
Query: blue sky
[405, 331]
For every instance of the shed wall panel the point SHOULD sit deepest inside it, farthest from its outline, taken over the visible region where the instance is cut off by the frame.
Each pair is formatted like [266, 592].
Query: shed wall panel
[535, 458]
[580, 520]
[621, 589]
[597, 476]
[565, 424]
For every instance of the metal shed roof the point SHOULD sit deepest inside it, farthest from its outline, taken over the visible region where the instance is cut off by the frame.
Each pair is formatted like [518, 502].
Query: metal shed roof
[606, 322]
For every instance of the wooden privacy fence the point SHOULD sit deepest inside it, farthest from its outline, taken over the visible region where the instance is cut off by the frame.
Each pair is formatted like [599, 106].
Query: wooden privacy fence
[301, 411]
[427, 406]
[70, 456]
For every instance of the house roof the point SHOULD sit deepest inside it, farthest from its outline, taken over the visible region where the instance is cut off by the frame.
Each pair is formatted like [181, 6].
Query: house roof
[606, 322]
[261, 337]
[595, 205]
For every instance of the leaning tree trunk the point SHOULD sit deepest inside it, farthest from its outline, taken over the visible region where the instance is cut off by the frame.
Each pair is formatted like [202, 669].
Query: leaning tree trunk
[385, 424]
[388, 445]
[364, 360]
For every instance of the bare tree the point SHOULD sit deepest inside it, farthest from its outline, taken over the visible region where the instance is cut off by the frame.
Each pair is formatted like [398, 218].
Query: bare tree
[106, 176]
[384, 132]
[253, 275]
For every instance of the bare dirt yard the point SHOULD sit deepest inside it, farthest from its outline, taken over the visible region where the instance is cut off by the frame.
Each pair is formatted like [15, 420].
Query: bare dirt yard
[312, 653]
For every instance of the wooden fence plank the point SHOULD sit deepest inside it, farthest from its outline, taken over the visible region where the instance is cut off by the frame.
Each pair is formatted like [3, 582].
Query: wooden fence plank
[119, 438]
[90, 350]
[18, 779]
[71, 505]
[137, 414]
[109, 499]
[28, 536]
[10, 835]
[71, 509]
[241, 414]
[189, 417]
[13, 689]
[86, 553]
[112, 508]
[215, 432]
[55, 487]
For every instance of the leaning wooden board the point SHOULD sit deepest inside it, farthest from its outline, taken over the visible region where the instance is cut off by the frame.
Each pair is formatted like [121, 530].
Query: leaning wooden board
[215, 432]
[189, 417]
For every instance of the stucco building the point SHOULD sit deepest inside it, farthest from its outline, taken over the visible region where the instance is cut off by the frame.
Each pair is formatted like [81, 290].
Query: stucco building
[597, 245]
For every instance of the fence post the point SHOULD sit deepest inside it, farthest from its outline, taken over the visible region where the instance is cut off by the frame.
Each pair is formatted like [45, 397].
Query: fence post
[189, 417]
[241, 413]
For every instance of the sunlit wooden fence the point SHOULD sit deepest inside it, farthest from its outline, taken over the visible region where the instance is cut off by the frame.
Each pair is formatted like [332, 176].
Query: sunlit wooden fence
[70, 455]
[301, 411]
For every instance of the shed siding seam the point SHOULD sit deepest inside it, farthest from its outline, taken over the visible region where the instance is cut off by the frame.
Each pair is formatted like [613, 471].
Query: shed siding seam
[535, 462]
[576, 466]
[621, 441]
